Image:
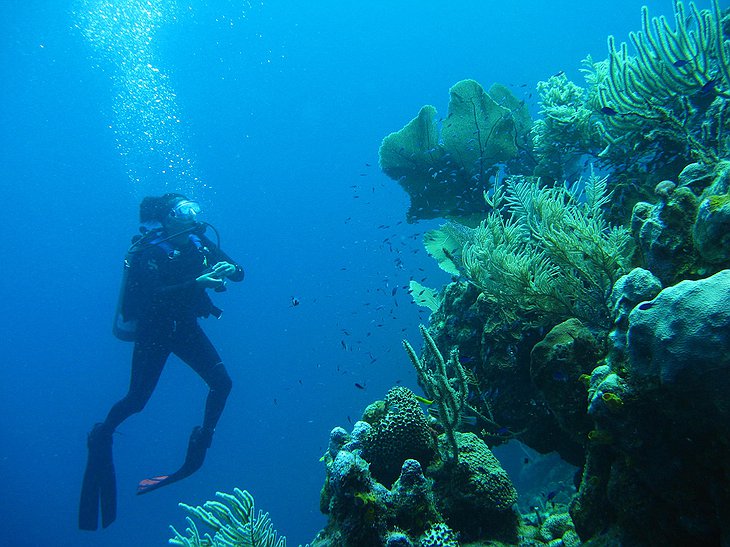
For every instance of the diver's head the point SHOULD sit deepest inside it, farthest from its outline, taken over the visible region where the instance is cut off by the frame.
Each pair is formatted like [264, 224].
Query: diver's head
[174, 212]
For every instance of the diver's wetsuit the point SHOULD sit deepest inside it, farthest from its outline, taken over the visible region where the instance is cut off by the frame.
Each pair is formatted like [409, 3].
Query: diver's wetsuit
[166, 301]
[162, 295]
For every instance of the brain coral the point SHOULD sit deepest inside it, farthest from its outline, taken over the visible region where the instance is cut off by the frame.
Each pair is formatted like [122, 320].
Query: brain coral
[402, 433]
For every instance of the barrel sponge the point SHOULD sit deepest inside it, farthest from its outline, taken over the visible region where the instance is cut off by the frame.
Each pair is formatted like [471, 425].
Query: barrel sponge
[402, 433]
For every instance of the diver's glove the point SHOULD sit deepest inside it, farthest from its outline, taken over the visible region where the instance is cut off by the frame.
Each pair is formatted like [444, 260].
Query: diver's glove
[198, 445]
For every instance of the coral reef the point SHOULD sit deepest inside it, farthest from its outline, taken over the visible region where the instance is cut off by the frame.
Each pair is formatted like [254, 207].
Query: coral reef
[475, 494]
[573, 340]
[663, 101]
[664, 235]
[680, 340]
[567, 353]
[449, 393]
[567, 130]
[439, 535]
[469, 497]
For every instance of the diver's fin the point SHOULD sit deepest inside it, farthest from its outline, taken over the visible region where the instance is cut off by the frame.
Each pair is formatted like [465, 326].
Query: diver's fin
[197, 447]
[99, 487]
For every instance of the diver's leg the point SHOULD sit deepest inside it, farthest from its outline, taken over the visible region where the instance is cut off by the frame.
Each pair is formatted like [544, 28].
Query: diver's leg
[197, 351]
[99, 484]
[148, 360]
[194, 348]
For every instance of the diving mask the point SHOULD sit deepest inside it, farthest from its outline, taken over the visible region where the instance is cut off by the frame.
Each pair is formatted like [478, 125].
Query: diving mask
[186, 211]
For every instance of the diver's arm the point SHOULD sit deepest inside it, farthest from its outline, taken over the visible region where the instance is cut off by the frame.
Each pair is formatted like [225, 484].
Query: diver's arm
[217, 256]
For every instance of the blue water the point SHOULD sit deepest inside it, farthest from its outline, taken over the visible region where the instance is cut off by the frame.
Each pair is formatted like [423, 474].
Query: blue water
[275, 111]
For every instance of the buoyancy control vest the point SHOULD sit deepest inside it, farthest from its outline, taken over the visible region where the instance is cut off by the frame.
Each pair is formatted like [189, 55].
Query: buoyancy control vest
[125, 322]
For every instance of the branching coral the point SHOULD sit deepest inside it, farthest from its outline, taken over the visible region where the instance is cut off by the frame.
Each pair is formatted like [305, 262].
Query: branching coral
[546, 254]
[446, 382]
[234, 523]
[449, 393]
[657, 101]
[567, 129]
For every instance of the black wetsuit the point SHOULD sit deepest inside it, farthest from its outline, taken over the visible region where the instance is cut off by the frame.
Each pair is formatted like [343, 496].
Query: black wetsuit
[166, 301]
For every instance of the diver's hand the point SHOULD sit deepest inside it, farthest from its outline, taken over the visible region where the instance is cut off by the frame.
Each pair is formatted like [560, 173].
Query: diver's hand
[210, 280]
[224, 269]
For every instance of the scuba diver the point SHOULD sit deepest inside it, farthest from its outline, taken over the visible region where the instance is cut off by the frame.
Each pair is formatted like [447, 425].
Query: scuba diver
[167, 271]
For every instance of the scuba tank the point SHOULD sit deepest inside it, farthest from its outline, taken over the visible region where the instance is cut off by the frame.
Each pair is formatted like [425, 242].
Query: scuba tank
[124, 327]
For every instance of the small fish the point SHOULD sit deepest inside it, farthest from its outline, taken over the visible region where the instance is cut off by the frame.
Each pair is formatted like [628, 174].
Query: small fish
[680, 63]
[423, 400]
[559, 73]
[359, 386]
[434, 412]
[395, 290]
[608, 111]
[295, 301]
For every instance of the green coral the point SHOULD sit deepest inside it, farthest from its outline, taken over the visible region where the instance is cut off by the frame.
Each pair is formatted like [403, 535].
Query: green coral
[546, 254]
[445, 167]
[448, 391]
[567, 129]
[671, 97]
[476, 494]
[234, 523]
[401, 433]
